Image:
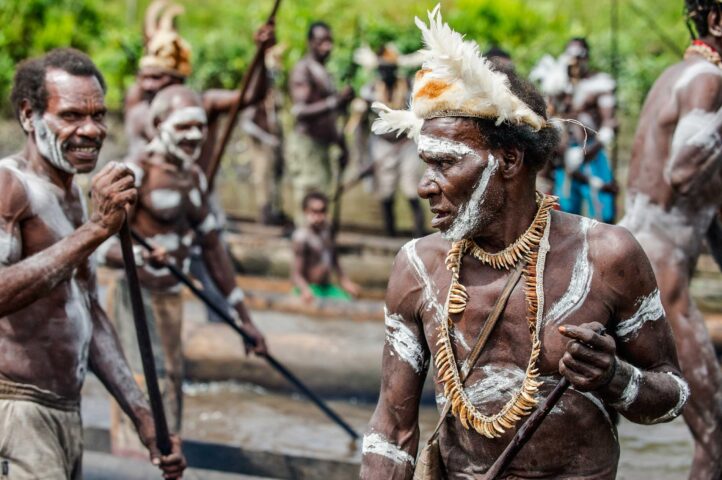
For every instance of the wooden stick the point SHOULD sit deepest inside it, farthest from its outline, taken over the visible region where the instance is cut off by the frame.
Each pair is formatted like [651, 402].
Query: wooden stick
[215, 161]
[162, 437]
[223, 314]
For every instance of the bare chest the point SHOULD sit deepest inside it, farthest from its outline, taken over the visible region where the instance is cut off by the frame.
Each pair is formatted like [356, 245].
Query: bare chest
[172, 198]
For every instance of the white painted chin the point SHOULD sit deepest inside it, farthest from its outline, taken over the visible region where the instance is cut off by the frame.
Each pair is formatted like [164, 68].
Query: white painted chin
[463, 226]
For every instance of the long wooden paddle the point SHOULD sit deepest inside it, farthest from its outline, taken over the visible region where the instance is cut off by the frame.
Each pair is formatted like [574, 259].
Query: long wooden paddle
[223, 314]
[162, 437]
[215, 161]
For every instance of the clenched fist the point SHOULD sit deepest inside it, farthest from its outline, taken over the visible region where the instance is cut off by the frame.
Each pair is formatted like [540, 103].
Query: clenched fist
[113, 192]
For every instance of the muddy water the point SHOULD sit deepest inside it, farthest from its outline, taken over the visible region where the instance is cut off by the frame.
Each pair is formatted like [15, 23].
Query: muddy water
[252, 417]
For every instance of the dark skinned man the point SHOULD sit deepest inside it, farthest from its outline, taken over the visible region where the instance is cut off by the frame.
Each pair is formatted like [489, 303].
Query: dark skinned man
[52, 328]
[173, 213]
[316, 106]
[672, 202]
[483, 135]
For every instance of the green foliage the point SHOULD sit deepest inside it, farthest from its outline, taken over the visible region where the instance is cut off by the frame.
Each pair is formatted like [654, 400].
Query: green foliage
[221, 33]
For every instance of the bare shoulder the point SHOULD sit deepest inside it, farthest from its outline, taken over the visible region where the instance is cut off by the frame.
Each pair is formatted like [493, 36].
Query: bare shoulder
[620, 259]
[428, 252]
[697, 83]
[14, 201]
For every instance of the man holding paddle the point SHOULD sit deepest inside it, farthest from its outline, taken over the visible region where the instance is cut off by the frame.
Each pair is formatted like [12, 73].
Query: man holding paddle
[510, 296]
[173, 213]
[52, 328]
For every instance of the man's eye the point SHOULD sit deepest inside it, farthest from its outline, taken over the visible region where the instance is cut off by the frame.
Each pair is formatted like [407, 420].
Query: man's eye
[99, 117]
[70, 116]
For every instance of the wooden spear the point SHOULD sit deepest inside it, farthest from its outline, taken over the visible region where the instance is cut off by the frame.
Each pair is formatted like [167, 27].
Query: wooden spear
[215, 161]
[278, 366]
[162, 437]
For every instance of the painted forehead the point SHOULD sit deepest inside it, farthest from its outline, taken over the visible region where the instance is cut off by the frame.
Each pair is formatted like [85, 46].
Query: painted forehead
[66, 90]
[187, 115]
[433, 145]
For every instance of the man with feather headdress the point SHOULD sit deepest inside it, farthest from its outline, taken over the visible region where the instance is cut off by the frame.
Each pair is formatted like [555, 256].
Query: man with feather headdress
[588, 308]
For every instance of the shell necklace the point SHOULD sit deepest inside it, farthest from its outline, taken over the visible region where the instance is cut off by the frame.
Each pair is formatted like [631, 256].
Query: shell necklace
[705, 51]
[521, 403]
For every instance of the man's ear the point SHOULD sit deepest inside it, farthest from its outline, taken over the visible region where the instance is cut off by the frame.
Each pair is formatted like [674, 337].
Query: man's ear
[713, 23]
[26, 115]
[511, 161]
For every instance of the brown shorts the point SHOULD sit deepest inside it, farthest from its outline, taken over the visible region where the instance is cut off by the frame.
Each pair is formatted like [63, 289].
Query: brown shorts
[41, 434]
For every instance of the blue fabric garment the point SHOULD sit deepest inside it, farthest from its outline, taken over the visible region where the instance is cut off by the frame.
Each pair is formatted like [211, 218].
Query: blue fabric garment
[578, 198]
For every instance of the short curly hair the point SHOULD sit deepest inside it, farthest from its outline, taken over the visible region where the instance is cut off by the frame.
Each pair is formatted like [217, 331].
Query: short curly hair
[538, 146]
[29, 81]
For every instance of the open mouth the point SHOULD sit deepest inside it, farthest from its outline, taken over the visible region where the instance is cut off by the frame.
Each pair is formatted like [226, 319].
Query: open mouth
[84, 152]
[440, 218]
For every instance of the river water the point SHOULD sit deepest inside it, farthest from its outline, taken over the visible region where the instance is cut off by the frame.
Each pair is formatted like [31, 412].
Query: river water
[252, 417]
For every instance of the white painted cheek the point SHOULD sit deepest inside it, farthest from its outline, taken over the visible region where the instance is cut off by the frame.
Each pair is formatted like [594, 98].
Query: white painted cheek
[403, 342]
[195, 197]
[50, 146]
[164, 199]
[650, 309]
[377, 444]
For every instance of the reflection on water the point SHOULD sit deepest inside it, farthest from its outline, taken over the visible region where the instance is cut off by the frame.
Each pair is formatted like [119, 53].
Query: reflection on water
[254, 418]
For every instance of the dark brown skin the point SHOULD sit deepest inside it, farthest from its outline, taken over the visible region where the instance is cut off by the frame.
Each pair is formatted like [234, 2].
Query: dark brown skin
[182, 221]
[314, 254]
[581, 441]
[684, 183]
[316, 104]
[52, 327]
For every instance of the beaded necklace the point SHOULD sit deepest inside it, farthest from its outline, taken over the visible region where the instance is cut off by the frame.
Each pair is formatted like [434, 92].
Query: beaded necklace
[700, 48]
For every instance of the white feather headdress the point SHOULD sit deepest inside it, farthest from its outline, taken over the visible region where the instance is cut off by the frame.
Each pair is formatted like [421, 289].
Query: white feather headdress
[455, 80]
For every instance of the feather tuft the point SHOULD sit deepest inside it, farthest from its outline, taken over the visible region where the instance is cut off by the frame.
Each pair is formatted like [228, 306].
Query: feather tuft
[399, 121]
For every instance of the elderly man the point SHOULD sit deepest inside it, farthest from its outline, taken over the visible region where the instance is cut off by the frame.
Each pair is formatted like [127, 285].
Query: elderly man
[172, 213]
[588, 308]
[52, 328]
[316, 106]
[672, 201]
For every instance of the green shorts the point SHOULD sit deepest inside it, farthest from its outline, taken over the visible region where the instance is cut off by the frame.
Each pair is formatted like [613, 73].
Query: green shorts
[326, 291]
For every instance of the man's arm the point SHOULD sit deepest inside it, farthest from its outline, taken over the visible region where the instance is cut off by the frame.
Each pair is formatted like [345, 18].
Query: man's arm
[634, 367]
[298, 244]
[696, 146]
[391, 442]
[301, 90]
[107, 361]
[220, 268]
[34, 277]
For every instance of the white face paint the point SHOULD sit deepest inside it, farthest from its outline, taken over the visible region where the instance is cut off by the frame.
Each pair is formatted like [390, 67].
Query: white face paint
[467, 220]
[433, 146]
[50, 147]
[171, 138]
[403, 342]
[650, 309]
[580, 283]
[377, 444]
[630, 392]
[163, 198]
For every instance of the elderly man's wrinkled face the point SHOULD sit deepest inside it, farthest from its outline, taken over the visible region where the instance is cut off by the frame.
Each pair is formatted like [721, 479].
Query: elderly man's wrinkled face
[71, 130]
[458, 181]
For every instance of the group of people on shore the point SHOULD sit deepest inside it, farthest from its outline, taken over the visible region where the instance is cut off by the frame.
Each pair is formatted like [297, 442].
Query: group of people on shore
[507, 298]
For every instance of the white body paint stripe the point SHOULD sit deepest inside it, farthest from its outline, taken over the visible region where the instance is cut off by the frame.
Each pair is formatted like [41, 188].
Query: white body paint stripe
[377, 444]
[580, 283]
[209, 224]
[629, 395]
[236, 296]
[650, 309]
[163, 199]
[443, 146]
[430, 292]
[403, 341]
[681, 400]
